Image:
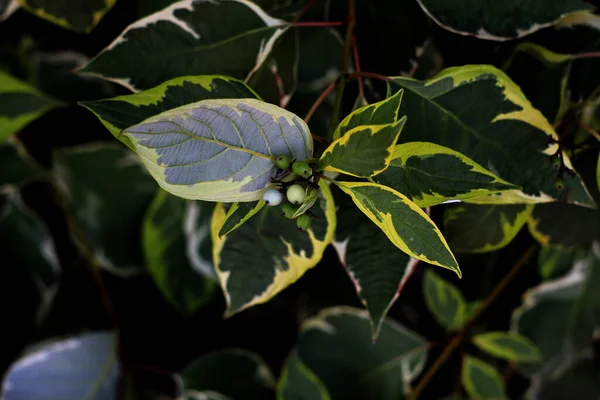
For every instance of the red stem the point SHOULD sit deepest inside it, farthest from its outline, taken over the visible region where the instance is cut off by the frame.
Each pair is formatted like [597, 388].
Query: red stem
[369, 75]
[591, 54]
[320, 100]
[361, 88]
[304, 10]
[317, 23]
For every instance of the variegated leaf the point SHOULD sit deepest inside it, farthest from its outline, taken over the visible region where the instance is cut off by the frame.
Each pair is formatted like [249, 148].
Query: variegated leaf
[219, 150]
[80, 16]
[189, 37]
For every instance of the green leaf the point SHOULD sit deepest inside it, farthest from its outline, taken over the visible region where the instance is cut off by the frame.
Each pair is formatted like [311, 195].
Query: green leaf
[505, 21]
[81, 17]
[431, 174]
[568, 307]
[312, 195]
[20, 104]
[18, 168]
[543, 76]
[567, 225]
[384, 112]
[298, 382]
[268, 253]
[445, 301]
[554, 260]
[578, 381]
[78, 367]
[178, 251]
[122, 112]
[232, 37]
[481, 381]
[478, 111]
[235, 373]
[28, 253]
[377, 269]
[403, 222]
[363, 151]
[219, 150]
[109, 206]
[481, 228]
[382, 370]
[238, 214]
[508, 346]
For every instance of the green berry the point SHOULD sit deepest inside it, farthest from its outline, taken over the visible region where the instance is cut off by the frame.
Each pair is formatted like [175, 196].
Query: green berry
[282, 162]
[288, 210]
[559, 184]
[556, 162]
[296, 194]
[303, 222]
[302, 169]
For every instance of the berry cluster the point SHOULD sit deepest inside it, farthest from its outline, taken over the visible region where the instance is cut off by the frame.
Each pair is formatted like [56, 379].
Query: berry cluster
[295, 182]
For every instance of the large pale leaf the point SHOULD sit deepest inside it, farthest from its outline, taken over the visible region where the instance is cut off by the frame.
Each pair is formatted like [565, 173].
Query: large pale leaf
[178, 251]
[18, 167]
[481, 380]
[81, 16]
[378, 371]
[20, 104]
[478, 111]
[363, 151]
[384, 112]
[268, 253]
[75, 368]
[28, 254]
[373, 263]
[569, 307]
[219, 150]
[509, 19]
[481, 228]
[298, 382]
[580, 381]
[563, 224]
[122, 112]
[108, 206]
[445, 301]
[406, 225]
[431, 174]
[235, 373]
[508, 345]
[228, 37]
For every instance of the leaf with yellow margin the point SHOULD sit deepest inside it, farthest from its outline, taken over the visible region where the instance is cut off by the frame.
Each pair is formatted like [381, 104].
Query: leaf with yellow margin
[80, 16]
[405, 224]
[268, 253]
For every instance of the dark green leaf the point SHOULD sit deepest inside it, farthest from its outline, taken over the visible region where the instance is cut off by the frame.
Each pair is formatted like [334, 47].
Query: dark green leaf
[481, 381]
[444, 300]
[373, 263]
[238, 214]
[567, 225]
[122, 112]
[580, 381]
[27, 248]
[20, 104]
[480, 228]
[478, 111]
[380, 370]
[554, 261]
[178, 251]
[509, 346]
[430, 174]
[268, 253]
[219, 149]
[298, 382]
[236, 373]
[403, 222]
[18, 167]
[229, 37]
[363, 151]
[109, 206]
[81, 16]
[507, 20]
[79, 367]
[312, 195]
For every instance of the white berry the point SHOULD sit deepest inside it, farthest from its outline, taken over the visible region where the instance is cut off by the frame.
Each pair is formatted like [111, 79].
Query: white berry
[296, 194]
[272, 197]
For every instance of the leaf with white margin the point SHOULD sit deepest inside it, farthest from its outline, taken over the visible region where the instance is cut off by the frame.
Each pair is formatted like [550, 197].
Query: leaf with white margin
[268, 253]
[7, 8]
[506, 20]
[336, 345]
[190, 37]
[219, 150]
[79, 367]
